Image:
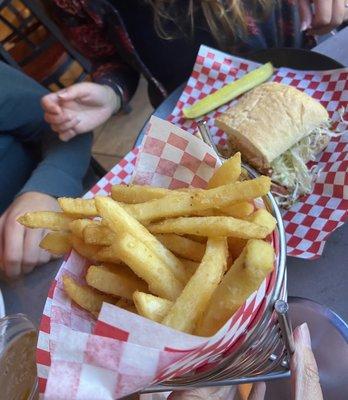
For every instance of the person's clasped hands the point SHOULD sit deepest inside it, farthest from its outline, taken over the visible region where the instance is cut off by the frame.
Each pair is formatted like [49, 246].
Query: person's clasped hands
[305, 383]
[79, 108]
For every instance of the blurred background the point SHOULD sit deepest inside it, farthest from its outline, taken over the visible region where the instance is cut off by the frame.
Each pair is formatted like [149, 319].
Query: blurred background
[30, 41]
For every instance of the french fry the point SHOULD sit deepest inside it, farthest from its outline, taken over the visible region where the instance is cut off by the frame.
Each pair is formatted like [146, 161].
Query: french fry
[107, 255]
[120, 221]
[190, 266]
[150, 306]
[57, 243]
[82, 207]
[98, 234]
[88, 251]
[242, 279]
[148, 266]
[194, 299]
[116, 280]
[234, 192]
[182, 246]
[56, 221]
[188, 203]
[228, 172]
[133, 194]
[86, 297]
[264, 218]
[238, 210]
[127, 305]
[78, 226]
[211, 227]
[196, 238]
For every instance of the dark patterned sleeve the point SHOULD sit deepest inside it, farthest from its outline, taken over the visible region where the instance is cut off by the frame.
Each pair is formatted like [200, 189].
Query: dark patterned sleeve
[86, 33]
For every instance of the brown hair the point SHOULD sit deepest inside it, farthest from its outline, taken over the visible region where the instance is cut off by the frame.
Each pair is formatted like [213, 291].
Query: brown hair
[226, 19]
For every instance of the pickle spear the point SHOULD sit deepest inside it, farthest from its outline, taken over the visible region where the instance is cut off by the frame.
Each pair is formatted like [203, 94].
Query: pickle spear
[229, 92]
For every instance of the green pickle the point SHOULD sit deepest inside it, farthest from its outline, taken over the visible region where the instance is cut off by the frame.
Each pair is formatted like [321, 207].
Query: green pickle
[229, 92]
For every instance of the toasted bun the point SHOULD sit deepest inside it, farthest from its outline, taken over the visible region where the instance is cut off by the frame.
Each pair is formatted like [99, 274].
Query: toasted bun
[269, 120]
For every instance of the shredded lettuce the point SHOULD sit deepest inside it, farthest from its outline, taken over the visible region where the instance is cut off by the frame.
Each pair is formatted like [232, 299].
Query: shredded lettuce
[290, 169]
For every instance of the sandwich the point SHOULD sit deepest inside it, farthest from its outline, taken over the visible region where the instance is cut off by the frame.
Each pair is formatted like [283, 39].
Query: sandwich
[278, 130]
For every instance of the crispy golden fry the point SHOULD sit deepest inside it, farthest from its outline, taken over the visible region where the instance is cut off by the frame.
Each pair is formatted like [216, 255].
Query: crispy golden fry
[56, 221]
[188, 203]
[78, 226]
[148, 266]
[117, 280]
[182, 246]
[264, 218]
[194, 299]
[120, 221]
[228, 172]
[196, 238]
[210, 226]
[98, 234]
[150, 306]
[88, 251]
[234, 192]
[86, 297]
[127, 305]
[236, 246]
[242, 279]
[83, 207]
[57, 243]
[238, 210]
[107, 255]
[190, 266]
[133, 194]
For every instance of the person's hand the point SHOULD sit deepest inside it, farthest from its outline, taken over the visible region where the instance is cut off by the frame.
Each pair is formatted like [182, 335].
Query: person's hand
[19, 246]
[79, 109]
[322, 16]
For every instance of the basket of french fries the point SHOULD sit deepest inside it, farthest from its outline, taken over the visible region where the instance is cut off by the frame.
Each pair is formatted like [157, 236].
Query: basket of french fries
[169, 281]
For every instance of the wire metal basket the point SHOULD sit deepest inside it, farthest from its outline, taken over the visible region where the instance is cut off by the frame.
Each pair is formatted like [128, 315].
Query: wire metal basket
[265, 354]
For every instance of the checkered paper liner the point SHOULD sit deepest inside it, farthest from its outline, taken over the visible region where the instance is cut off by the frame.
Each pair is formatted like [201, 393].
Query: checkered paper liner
[311, 220]
[121, 352]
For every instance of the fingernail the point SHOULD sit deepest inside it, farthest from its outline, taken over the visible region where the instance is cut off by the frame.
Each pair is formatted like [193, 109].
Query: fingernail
[304, 26]
[62, 93]
[304, 335]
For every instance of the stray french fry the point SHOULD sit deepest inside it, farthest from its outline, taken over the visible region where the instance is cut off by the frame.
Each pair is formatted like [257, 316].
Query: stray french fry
[78, 226]
[228, 172]
[116, 280]
[86, 297]
[150, 306]
[147, 266]
[88, 251]
[238, 210]
[98, 234]
[264, 218]
[210, 226]
[242, 279]
[83, 207]
[182, 246]
[120, 221]
[194, 299]
[57, 243]
[133, 194]
[56, 221]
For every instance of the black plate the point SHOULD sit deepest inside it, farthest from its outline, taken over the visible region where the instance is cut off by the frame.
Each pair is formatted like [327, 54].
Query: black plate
[295, 58]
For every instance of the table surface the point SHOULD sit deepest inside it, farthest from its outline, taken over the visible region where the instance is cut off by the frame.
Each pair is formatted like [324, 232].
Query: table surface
[323, 280]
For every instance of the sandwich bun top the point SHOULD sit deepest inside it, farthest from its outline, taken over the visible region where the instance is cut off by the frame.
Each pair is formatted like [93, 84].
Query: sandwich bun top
[269, 120]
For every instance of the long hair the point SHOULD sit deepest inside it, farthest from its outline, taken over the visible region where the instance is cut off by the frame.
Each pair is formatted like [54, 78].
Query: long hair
[226, 19]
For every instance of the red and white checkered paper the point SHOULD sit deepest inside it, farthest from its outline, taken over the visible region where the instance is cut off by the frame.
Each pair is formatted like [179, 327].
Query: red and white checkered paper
[121, 352]
[311, 220]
